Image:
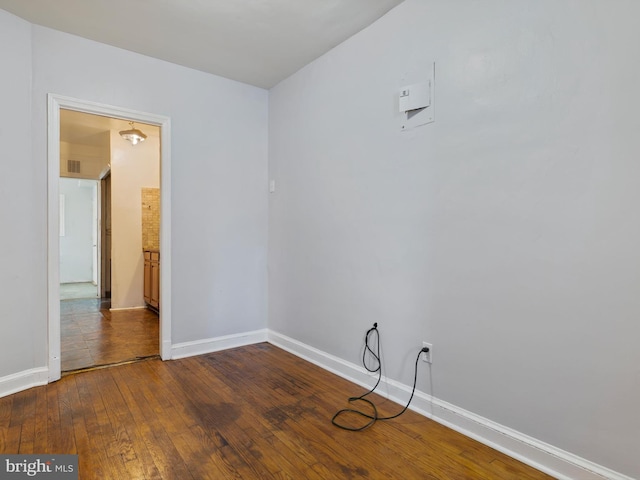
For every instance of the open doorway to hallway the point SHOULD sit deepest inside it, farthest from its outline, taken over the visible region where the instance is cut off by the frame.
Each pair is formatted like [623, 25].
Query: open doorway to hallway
[55, 104]
[106, 223]
[79, 230]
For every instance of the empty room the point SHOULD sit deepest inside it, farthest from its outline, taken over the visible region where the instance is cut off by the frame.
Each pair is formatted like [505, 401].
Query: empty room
[434, 201]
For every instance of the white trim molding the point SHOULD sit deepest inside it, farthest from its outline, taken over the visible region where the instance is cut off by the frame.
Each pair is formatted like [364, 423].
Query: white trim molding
[141, 307]
[209, 345]
[20, 381]
[540, 455]
[55, 103]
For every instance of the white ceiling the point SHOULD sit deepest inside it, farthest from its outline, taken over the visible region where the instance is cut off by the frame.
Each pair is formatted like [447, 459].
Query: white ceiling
[259, 42]
[87, 129]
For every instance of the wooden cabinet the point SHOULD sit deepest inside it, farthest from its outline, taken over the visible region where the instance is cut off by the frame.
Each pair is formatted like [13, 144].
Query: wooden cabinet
[152, 279]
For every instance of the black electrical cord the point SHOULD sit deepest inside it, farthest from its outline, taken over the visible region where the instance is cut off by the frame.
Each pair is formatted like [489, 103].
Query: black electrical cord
[373, 417]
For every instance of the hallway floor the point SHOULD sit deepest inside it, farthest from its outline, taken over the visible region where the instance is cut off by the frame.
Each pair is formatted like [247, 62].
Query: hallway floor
[78, 290]
[92, 335]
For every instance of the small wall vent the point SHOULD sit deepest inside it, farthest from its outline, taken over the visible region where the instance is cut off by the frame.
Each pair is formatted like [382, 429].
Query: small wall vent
[73, 166]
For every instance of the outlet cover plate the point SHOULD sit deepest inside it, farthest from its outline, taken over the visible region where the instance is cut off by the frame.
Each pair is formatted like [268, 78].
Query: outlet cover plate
[428, 356]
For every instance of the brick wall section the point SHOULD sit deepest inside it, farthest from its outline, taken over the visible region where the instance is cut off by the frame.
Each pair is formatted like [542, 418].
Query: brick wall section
[151, 218]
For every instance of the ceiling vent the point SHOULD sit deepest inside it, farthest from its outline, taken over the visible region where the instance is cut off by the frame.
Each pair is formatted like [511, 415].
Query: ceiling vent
[73, 166]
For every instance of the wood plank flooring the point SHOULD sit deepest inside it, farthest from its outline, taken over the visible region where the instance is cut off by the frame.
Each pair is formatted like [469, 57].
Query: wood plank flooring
[93, 335]
[255, 412]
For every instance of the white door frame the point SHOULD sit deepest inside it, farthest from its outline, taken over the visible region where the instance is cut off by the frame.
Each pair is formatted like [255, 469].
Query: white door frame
[55, 103]
[103, 174]
[96, 231]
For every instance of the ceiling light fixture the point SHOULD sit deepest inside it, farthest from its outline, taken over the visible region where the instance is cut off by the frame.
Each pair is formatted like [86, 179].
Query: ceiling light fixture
[134, 135]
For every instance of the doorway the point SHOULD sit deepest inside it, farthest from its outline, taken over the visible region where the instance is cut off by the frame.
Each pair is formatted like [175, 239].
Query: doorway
[56, 103]
[79, 223]
[105, 235]
[116, 328]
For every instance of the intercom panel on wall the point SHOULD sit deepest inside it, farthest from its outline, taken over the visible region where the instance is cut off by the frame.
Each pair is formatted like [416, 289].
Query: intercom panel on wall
[416, 98]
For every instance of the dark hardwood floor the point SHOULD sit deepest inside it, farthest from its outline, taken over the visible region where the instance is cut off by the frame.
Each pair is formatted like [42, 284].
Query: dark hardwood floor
[255, 412]
[91, 335]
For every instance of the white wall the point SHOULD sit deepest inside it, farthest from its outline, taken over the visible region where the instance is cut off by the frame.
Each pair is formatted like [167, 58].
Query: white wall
[76, 246]
[219, 178]
[93, 160]
[133, 167]
[21, 254]
[506, 233]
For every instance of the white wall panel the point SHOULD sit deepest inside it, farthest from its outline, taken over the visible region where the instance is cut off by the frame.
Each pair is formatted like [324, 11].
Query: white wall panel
[505, 233]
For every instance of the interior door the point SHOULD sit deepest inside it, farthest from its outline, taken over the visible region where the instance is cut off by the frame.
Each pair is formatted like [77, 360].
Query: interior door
[105, 191]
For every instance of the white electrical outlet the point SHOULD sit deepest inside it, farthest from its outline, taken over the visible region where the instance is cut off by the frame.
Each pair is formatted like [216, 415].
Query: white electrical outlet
[427, 356]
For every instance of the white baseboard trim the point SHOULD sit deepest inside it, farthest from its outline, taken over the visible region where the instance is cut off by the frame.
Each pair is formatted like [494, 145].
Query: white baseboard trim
[200, 347]
[166, 350]
[17, 382]
[127, 308]
[540, 455]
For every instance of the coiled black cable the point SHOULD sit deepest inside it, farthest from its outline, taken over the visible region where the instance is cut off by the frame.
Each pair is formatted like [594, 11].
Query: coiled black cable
[373, 417]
